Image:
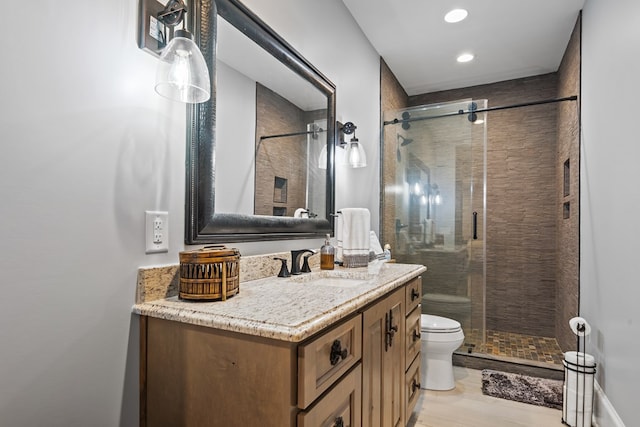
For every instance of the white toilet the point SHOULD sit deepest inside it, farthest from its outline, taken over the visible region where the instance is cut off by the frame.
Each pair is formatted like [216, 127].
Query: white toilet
[440, 337]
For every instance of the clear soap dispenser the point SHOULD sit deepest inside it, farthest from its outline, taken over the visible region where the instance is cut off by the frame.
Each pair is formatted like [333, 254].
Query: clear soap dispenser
[327, 255]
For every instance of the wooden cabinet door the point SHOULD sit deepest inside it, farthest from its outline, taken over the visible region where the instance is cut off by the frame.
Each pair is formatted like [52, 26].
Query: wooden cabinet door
[383, 355]
[326, 358]
[198, 376]
[412, 336]
[412, 387]
[341, 406]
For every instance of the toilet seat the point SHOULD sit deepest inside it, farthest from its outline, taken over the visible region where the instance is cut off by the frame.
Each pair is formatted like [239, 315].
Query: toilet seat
[437, 324]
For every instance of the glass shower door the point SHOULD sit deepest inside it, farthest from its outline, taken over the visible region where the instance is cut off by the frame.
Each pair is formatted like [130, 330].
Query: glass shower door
[434, 204]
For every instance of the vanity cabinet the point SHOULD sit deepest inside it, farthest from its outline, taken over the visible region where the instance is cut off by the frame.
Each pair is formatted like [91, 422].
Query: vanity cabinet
[341, 407]
[197, 376]
[360, 370]
[391, 357]
[321, 363]
[413, 296]
[383, 362]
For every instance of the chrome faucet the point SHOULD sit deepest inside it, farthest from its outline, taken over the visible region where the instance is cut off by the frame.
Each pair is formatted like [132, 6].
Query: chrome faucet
[295, 261]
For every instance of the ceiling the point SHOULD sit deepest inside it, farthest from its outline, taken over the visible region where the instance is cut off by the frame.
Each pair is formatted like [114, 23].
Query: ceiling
[510, 39]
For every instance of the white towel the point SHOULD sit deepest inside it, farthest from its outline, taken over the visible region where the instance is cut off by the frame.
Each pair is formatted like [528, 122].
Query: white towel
[355, 236]
[429, 231]
[339, 242]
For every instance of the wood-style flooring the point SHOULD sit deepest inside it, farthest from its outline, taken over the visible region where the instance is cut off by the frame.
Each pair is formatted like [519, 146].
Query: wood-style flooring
[466, 406]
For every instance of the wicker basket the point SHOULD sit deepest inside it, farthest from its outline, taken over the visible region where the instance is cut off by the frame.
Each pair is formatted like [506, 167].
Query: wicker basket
[210, 273]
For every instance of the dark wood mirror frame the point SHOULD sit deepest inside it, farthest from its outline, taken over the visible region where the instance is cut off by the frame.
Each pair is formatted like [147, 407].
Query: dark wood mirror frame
[202, 223]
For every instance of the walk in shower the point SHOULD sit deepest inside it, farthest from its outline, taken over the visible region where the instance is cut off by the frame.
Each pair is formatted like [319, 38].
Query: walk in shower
[485, 226]
[434, 200]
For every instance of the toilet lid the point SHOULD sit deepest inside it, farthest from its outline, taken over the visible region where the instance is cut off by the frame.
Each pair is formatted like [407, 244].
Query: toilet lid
[431, 323]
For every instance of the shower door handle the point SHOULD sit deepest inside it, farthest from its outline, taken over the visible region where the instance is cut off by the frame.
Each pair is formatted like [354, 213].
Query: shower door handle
[475, 226]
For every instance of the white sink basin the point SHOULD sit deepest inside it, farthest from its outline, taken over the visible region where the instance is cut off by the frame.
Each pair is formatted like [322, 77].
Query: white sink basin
[332, 278]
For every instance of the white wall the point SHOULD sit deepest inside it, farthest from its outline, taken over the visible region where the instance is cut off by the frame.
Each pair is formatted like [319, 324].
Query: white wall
[87, 147]
[235, 183]
[610, 199]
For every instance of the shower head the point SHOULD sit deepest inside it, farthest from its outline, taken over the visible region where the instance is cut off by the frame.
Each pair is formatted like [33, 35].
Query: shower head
[405, 141]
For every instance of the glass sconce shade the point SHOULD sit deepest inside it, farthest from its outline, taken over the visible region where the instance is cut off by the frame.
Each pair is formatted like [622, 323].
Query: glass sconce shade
[351, 154]
[437, 199]
[339, 153]
[322, 159]
[182, 73]
[356, 157]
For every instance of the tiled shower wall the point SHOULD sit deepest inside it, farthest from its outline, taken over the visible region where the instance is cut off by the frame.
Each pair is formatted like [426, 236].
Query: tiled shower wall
[532, 249]
[392, 97]
[521, 221]
[568, 273]
[276, 157]
[285, 157]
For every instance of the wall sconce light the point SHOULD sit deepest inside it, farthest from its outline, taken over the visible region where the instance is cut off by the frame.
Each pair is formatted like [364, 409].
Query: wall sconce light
[436, 197]
[182, 73]
[417, 189]
[339, 154]
[355, 155]
[346, 153]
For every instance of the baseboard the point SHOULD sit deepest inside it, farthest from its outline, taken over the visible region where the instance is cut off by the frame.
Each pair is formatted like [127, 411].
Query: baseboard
[604, 414]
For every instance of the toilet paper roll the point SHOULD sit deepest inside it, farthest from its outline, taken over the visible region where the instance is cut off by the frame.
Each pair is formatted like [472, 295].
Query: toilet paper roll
[576, 322]
[301, 213]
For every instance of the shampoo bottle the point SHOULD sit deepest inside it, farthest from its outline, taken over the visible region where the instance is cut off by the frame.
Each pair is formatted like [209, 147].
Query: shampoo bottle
[327, 254]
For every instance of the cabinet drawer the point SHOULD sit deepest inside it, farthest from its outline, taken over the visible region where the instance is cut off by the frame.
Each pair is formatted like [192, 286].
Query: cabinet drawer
[413, 294]
[326, 358]
[412, 338]
[412, 386]
[342, 406]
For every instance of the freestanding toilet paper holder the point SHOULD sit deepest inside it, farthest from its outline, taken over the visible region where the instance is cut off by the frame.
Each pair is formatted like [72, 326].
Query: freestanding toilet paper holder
[579, 374]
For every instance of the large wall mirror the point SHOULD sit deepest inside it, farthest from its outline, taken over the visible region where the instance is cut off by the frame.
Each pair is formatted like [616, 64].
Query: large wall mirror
[254, 168]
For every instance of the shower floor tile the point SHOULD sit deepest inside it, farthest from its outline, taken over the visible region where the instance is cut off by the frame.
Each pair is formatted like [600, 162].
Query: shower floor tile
[509, 344]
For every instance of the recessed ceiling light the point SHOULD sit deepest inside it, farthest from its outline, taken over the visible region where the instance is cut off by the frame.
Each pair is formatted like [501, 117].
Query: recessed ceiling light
[465, 57]
[456, 15]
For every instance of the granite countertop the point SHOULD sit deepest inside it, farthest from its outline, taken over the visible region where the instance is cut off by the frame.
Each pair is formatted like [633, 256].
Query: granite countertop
[288, 309]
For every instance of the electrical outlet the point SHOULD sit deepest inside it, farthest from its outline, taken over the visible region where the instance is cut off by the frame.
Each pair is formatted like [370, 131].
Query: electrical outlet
[157, 231]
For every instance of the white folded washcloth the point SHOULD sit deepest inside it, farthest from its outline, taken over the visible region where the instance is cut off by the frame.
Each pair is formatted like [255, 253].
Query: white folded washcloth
[355, 236]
